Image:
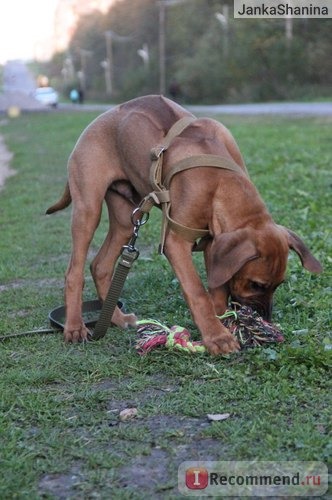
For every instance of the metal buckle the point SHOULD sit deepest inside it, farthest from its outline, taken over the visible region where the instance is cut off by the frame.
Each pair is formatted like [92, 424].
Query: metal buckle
[156, 152]
[128, 255]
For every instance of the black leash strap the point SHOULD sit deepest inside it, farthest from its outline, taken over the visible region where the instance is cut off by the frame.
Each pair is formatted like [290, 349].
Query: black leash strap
[127, 258]
[41, 331]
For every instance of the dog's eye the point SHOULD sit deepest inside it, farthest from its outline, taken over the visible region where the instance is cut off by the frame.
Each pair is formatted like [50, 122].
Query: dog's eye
[257, 287]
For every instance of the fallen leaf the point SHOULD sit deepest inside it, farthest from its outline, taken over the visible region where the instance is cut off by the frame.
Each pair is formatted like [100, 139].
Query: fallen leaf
[218, 416]
[128, 414]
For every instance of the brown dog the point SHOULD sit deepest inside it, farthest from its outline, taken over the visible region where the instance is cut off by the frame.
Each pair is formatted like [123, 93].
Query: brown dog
[246, 253]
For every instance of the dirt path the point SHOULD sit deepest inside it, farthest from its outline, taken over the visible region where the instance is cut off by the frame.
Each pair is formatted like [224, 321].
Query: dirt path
[5, 159]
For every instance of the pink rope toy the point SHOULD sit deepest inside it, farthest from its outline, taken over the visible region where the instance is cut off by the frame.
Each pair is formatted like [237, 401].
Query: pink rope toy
[250, 329]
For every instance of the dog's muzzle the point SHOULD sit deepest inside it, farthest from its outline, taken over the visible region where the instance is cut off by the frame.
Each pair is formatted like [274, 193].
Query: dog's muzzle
[263, 309]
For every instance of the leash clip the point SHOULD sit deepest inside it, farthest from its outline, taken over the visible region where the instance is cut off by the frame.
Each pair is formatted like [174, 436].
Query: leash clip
[130, 247]
[128, 255]
[137, 221]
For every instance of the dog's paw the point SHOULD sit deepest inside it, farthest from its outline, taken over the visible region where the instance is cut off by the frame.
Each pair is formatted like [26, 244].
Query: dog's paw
[222, 344]
[73, 336]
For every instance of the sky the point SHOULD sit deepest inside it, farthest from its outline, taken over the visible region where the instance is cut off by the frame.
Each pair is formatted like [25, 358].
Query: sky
[26, 28]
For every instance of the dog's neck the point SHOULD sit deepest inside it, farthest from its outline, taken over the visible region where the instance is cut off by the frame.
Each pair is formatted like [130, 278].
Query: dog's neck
[237, 204]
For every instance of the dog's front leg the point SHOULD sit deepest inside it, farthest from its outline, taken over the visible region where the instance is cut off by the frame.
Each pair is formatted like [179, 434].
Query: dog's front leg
[216, 338]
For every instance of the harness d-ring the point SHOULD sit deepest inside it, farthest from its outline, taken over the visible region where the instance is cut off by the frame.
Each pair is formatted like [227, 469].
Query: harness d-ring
[139, 221]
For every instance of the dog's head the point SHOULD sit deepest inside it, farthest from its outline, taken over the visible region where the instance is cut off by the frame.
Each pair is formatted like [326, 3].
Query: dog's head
[250, 264]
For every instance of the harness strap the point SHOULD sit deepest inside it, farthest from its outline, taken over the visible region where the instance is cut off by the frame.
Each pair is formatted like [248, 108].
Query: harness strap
[187, 233]
[161, 195]
[204, 160]
[157, 152]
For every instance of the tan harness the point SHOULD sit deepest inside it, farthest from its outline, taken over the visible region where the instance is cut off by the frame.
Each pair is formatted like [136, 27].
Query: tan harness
[161, 193]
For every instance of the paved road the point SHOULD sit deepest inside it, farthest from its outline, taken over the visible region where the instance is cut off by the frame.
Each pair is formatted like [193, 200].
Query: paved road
[273, 108]
[18, 85]
[17, 78]
[276, 108]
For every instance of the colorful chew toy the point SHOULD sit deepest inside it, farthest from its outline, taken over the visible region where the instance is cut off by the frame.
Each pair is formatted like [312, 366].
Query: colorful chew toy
[243, 322]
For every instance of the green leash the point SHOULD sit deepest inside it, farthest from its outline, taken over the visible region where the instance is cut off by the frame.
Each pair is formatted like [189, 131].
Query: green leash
[128, 256]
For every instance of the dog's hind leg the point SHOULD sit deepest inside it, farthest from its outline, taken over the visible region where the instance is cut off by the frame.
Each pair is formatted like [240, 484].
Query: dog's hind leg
[84, 223]
[102, 267]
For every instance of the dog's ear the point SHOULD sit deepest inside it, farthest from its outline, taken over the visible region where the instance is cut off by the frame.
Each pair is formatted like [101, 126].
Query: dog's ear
[228, 253]
[309, 262]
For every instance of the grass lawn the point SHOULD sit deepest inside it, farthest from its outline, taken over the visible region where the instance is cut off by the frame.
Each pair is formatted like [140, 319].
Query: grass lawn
[59, 430]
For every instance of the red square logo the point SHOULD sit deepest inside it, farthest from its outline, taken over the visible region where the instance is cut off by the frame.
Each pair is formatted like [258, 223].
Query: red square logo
[197, 478]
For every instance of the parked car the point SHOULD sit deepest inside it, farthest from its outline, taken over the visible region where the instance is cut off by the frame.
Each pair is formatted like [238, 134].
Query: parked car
[47, 96]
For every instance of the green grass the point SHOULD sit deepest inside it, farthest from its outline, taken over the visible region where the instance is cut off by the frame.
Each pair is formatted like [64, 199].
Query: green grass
[59, 429]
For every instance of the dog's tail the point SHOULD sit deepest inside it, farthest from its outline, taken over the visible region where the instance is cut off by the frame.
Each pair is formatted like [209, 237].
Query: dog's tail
[64, 201]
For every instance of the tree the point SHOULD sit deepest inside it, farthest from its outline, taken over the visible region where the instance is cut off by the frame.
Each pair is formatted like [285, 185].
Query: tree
[240, 60]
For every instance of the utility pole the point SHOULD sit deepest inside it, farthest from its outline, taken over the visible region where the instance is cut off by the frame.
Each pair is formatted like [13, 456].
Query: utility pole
[108, 83]
[162, 48]
[144, 54]
[288, 30]
[109, 63]
[84, 54]
[162, 40]
[223, 19]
